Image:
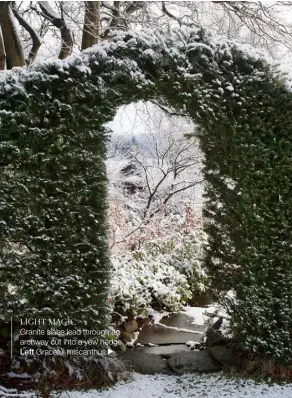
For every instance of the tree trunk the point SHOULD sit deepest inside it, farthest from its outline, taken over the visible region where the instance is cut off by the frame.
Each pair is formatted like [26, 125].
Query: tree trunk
[12, 44]
[115, 22]
[36, 40]
[59, 22]
[2, 52]
[91, 27]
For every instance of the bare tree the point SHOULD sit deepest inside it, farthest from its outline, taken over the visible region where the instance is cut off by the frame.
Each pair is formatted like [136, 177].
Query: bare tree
[59, 22]
[36, 40]
[262, 24]
[79, 25]
[171, 165]
[162, 168]
[119, 15]
[13, 47]
[91, 27]
[2, 52]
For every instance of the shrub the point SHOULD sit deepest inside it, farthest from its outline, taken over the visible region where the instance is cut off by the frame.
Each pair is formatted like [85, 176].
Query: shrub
[140, 283]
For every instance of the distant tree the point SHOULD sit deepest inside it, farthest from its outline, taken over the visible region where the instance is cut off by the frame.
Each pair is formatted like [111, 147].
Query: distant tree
[155, 174]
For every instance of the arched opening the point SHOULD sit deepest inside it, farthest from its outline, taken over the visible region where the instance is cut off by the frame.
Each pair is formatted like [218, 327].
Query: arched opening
[155, 210]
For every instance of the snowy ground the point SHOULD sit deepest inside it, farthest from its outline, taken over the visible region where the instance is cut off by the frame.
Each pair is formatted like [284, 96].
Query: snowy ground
[187, 386]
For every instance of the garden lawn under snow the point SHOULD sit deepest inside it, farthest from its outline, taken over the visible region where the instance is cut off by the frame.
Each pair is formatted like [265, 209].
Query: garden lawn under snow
[186, 386]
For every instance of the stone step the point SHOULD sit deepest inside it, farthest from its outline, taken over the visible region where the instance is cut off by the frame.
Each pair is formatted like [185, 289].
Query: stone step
[168, 360]
[145, 363]
[192, 361]
[175, 329]
[162, 350]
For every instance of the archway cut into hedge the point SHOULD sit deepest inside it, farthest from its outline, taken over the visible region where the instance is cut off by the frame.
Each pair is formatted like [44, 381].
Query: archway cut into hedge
[54, 259]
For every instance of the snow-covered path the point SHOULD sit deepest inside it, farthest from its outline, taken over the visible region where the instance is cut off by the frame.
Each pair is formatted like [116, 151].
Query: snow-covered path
[187, 386]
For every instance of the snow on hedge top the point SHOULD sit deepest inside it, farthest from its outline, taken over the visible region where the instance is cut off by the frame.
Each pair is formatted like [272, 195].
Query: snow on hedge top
[185, 50]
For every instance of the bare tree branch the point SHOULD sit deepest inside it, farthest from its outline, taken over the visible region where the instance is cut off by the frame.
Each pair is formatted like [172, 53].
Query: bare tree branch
[36, 41]
[179, 20]
[58, 22]
[168, 111]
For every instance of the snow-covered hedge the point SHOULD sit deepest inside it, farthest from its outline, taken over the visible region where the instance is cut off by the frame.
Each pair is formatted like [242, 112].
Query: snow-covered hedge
[53, 177]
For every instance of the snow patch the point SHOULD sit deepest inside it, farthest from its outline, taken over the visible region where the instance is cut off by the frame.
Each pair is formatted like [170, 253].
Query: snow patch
[187, 386]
